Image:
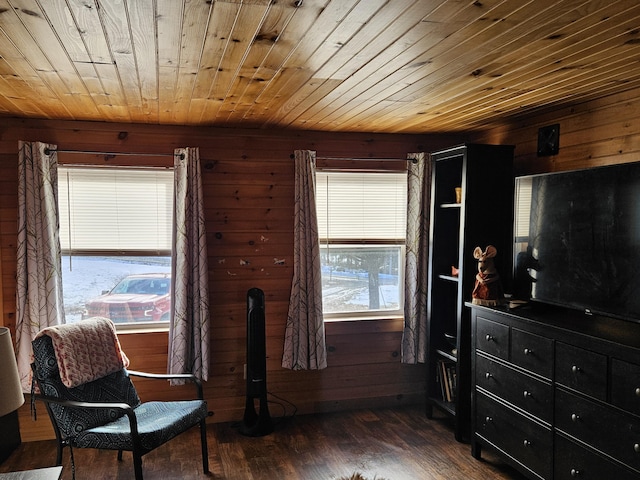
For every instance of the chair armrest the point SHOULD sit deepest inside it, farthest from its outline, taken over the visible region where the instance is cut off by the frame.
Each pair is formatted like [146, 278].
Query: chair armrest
[171, 376]
[74, 403]
[128, 410]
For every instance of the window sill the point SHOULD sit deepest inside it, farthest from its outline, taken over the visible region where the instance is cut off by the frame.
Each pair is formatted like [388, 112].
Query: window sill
[124, 329]
[347, 318]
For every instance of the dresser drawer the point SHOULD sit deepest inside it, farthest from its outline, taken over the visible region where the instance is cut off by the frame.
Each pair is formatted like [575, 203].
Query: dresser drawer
[532, 352]
[581, 370]
[573, 461]
[606, 429]
[492, 337]
[625, 385]
[528, 393]
[521, 438]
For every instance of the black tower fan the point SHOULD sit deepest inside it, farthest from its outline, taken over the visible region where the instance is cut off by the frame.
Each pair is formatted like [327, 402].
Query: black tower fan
[256, 424]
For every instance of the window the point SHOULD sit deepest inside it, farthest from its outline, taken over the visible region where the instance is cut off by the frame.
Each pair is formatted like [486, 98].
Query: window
[362, 225]
[116, 232]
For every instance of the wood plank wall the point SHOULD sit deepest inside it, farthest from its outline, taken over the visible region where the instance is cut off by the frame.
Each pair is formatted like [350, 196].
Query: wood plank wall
[600, 132]
[248, 182]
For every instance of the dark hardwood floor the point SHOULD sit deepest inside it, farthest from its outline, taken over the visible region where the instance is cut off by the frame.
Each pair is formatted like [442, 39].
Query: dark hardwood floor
[391, 444]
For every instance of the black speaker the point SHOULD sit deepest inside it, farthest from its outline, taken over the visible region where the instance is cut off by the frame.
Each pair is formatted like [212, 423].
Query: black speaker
[256, 424]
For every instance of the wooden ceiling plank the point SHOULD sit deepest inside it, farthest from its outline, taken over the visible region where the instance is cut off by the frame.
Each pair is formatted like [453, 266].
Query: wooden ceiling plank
[575, 55]
[195, 29]
[115, 23]
[62, 76]
[219, 36]
[85, 15]
[403, 54]
[142, 20]
[245, 30]
[295, 70]
[443, 74]
[13, 98]
[250, 20]
[401, 78]
[20, 72]
[254, 71]
[561, 86]
[169, 14]
[546, 65]
[353, 22]
[20, 28]
[66, 30]
[78, 27]
[289, 40]
[423, 91]
[363, 46]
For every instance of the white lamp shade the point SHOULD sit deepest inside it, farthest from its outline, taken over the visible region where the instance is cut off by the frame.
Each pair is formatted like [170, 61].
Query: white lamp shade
[11, 397]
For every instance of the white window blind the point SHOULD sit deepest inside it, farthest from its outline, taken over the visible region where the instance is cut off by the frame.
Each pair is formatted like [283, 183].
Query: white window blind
[523, 207]
[360, 206]
[115, 209]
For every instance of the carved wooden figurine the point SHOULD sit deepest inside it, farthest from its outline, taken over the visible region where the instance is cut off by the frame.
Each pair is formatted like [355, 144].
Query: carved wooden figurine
[488, 288]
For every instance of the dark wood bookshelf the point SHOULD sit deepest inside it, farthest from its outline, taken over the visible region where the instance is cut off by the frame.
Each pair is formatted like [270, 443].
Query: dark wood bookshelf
[484, 216]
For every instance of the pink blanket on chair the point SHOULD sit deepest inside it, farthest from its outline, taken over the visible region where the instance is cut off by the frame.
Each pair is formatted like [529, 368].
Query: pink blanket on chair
[86, 350]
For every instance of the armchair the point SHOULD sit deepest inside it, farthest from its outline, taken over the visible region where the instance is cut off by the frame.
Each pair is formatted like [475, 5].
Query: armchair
[106, 412]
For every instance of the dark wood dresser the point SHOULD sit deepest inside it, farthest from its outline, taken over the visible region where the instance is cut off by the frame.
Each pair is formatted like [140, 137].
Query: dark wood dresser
[556, 393]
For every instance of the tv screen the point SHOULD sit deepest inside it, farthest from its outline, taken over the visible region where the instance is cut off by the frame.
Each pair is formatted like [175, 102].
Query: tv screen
[577, 240]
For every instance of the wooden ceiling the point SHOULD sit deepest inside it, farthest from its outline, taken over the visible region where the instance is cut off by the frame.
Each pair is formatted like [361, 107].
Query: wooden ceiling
[410, 66]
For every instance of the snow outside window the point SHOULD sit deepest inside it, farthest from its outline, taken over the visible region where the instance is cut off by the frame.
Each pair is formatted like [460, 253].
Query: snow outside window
[362, 225]
[115, 232]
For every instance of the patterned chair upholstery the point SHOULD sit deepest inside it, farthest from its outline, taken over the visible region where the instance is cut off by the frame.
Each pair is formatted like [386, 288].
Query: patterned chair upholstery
[107, 413]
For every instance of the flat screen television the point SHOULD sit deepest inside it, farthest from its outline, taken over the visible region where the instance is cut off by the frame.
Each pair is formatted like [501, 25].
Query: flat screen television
[577, 240]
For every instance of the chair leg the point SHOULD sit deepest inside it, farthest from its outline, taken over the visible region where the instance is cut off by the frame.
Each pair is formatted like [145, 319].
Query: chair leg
[59, 453]
[137, 466]
[205, 449]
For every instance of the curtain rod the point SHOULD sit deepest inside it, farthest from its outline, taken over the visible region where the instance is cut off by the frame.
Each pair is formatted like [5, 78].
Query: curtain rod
[363, 159]
[48, 151]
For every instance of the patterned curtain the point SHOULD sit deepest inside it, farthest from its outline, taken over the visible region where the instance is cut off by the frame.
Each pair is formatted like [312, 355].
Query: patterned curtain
[414, 339]
[39, 302]
[189, 329]
[304, 342]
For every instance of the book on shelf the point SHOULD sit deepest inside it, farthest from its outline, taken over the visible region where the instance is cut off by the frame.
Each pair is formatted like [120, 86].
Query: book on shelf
[447, 379]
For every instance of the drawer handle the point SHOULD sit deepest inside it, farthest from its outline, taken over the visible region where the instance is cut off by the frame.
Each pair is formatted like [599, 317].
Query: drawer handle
[636, 448]
[527, 443]
[575, 472]
[488, 419]
[527, 394]
[489, 338]
[638, 392]
[488, 375]
[575, 417]
[576, 369]
[528, 351]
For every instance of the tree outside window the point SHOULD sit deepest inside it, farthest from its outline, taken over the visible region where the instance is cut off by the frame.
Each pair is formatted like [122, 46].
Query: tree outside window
[361, 223]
